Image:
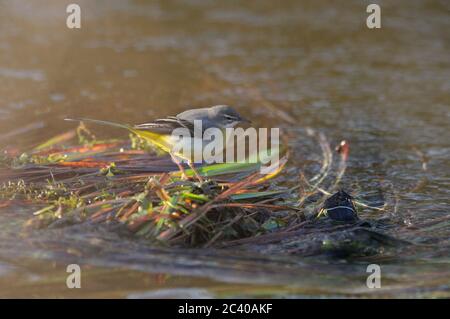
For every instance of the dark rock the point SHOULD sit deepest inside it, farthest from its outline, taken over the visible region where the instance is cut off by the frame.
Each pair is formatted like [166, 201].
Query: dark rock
[340, 207]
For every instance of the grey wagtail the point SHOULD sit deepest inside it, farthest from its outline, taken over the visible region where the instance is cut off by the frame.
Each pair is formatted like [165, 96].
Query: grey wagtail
[159, 132]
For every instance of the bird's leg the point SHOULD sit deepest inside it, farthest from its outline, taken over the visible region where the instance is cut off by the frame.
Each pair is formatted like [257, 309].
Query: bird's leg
[191, 165]
[180, 166]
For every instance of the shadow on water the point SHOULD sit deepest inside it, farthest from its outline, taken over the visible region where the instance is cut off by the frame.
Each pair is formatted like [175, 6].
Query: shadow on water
[292, 66]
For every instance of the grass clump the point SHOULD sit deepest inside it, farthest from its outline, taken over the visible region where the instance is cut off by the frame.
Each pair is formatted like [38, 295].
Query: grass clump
[116, 181]
[127, 183]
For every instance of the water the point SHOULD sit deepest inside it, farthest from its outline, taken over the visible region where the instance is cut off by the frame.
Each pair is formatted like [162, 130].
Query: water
[291, 65]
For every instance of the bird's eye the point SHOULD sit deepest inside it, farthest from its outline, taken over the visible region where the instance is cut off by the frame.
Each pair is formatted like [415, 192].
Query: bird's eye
[229, 118]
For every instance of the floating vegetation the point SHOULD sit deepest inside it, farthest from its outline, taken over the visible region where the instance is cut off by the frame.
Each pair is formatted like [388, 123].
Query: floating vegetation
[126, 183]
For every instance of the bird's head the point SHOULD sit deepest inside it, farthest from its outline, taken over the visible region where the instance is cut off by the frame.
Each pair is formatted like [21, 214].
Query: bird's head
[226, 116]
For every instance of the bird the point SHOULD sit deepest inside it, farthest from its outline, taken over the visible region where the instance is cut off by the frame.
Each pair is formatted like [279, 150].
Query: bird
[159, 132]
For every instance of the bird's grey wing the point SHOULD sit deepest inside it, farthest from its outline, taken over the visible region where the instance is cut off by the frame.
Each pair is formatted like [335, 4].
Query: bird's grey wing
[193, 114]
[188, 118]
[166, 126]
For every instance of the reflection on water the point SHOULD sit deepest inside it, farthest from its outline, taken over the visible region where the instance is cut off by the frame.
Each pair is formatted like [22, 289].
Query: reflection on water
[294, 65]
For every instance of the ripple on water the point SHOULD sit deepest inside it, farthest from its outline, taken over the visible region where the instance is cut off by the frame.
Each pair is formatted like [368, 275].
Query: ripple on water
[34, 75]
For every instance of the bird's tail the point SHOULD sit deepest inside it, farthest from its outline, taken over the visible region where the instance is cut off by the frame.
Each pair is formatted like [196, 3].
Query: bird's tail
[107, 123]
[157, 139]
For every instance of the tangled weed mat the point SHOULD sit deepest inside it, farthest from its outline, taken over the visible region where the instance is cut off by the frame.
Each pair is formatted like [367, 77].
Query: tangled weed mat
[125, 182]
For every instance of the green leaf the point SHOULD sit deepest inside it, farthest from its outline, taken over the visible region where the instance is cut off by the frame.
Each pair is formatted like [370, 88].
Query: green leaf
[255, 195]
[196, 197]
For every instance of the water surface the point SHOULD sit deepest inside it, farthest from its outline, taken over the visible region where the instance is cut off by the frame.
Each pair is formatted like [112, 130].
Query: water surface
[292, 65]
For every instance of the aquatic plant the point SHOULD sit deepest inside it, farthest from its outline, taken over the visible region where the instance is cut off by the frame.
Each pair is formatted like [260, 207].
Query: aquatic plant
[126, 183]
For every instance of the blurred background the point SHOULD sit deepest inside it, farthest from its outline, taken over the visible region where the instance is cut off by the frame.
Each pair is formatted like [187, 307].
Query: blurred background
[287, 64]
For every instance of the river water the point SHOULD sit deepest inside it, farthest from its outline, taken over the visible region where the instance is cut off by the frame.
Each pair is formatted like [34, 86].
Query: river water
[287, 64]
